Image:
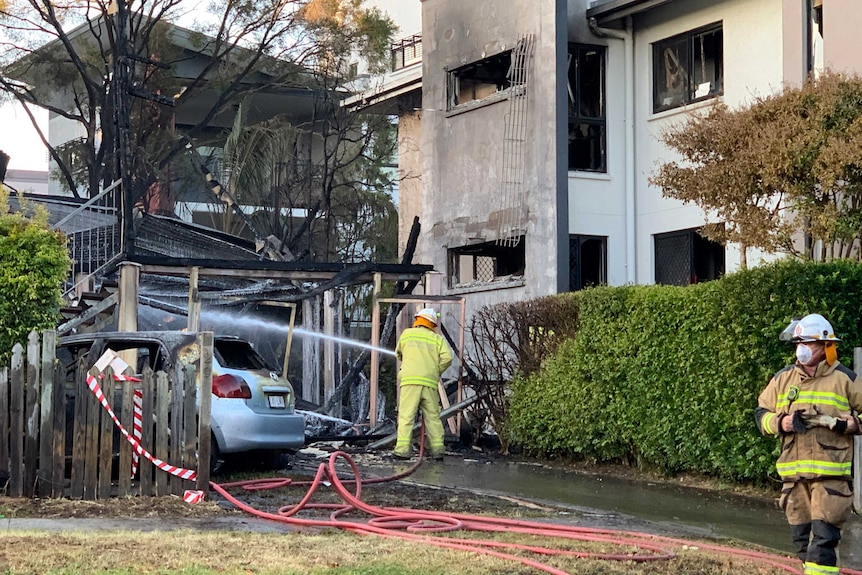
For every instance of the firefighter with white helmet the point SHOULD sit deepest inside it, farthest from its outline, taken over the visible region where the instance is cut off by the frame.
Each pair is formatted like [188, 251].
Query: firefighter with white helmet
[424, 356]
[429, 314]
[813, 406]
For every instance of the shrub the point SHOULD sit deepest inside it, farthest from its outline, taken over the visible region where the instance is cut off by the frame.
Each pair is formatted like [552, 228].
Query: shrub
[33, 264]
[668, 377]
[515, 338]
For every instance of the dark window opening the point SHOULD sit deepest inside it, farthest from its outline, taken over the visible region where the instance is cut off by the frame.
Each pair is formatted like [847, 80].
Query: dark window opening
[587, 261]
[480, 79]
[586, 97]
[685, 257]
[73, 153]
[814, 27]
[688, 68]
[818, 16]
[485, 262]
[237, 354]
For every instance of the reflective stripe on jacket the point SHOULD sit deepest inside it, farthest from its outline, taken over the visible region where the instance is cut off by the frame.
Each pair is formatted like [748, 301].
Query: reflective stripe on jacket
[424, 357]
[820, 452]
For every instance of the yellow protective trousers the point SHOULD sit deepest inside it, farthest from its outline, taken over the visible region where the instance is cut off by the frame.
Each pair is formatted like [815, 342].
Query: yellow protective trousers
[816, 511]
[413, 398]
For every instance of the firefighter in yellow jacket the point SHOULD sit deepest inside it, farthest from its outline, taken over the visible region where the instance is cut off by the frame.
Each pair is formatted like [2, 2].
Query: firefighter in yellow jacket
[813, 407]
[424, 357]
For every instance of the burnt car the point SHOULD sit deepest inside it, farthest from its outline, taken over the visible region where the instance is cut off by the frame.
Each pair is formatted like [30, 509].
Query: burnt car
[253, 406]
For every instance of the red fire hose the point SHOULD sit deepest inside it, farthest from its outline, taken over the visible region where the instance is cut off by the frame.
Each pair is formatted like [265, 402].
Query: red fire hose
[416, 525]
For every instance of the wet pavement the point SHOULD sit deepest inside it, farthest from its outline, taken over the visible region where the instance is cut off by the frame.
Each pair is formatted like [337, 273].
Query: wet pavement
[626, 504]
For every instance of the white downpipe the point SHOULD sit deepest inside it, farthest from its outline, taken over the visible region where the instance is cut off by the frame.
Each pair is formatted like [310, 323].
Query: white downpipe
[629, 79]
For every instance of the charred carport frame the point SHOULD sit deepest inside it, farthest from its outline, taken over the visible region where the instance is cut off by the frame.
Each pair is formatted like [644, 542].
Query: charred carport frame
[330, 275]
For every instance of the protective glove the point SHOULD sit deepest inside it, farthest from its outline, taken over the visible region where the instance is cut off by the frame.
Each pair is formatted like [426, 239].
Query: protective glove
[817, 419]
[799, 425]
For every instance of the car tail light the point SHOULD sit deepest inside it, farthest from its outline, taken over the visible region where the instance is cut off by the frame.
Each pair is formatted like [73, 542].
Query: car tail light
[231, 386]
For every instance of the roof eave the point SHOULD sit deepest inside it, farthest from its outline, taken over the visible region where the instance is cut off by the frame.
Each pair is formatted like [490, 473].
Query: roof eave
[607, 11]
[384, 99]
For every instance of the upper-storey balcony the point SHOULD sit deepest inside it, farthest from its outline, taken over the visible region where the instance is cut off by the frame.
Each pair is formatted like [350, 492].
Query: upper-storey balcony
[406, 52]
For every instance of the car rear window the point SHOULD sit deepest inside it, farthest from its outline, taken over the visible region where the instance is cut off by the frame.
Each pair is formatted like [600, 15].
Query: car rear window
[238, 354]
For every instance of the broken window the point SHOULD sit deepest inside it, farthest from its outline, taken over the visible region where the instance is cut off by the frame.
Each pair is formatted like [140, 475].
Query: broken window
[688, 68]
[485, 262]
[586, 90]
[685, 257]
[588, 257]
[480, 79]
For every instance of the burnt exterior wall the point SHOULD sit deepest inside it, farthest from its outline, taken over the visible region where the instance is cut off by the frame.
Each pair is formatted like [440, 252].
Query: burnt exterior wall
[465, 155]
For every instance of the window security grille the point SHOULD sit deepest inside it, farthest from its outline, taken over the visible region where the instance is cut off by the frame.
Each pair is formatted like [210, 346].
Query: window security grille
[485, 262]
[673, 259]
[685, 257]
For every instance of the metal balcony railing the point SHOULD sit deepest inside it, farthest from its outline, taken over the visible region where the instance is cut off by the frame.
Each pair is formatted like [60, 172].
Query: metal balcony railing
[406, 51]
[93, 232]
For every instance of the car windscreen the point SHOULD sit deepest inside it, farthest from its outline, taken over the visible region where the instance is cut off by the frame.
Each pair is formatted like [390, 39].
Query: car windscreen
[238, 354]
[147, 354]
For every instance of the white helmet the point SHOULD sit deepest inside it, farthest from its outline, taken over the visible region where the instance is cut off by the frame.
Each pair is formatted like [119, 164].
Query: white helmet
[812, 327]
[429, 314]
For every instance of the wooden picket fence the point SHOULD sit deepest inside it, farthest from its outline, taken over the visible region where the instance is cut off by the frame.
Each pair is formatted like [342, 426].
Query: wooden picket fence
[57, 440]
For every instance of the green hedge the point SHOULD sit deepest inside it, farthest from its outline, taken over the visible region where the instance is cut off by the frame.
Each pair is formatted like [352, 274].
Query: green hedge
[668, 377]
[33, 264]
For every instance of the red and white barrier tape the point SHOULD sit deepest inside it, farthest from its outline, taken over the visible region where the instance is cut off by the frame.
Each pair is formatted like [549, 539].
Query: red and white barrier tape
[137, 424]
[193, 496]
[94, 386]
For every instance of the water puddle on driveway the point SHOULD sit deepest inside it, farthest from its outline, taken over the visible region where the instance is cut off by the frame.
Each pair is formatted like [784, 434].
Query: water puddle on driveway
[712, 514]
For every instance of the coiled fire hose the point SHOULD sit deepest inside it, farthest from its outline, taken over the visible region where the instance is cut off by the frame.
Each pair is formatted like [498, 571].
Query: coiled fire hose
[417, 525]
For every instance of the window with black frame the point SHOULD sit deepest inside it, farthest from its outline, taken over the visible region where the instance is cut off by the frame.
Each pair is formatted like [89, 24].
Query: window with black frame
[685, 257]
[586, 97]
[688, 68]
[588, 257]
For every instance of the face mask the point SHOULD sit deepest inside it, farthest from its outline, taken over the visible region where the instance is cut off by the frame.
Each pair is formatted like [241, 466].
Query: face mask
[803, 354]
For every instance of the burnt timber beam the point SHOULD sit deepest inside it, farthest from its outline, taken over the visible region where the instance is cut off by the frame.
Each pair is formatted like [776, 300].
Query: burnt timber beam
[271, 274]
[267, 269]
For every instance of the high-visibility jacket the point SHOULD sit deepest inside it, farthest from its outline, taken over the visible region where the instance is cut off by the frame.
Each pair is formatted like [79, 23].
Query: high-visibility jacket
[424, 357]
[820, 452]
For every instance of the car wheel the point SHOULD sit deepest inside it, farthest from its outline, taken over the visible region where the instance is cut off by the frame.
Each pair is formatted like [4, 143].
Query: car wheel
[216, 461]
[278, 460]
[263, 460]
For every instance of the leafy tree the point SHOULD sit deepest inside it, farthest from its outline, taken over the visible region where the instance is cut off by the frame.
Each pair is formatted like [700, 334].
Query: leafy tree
[241, 48]
[790, 162]
[33, 264]
[344, 191]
